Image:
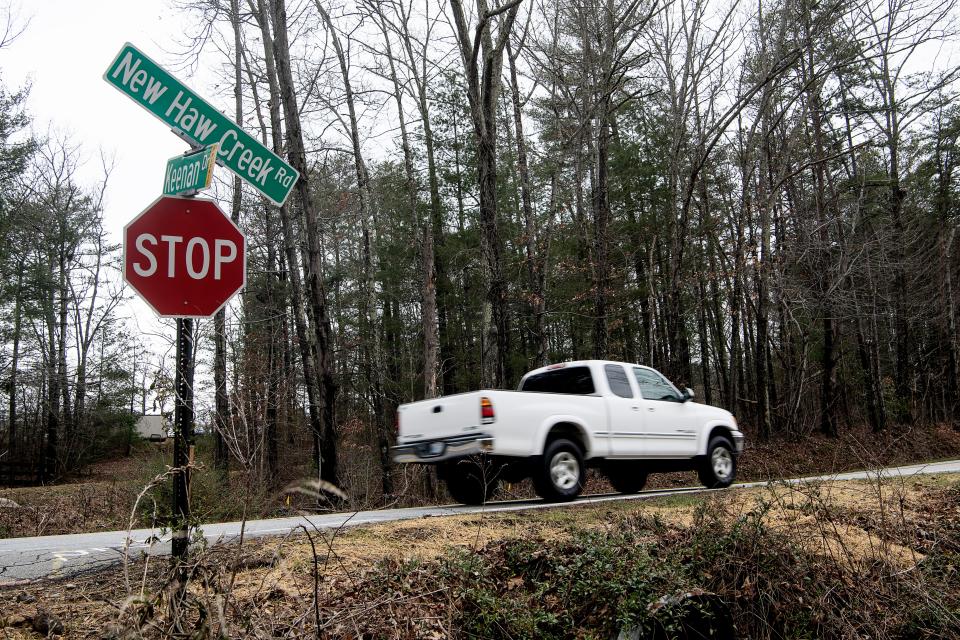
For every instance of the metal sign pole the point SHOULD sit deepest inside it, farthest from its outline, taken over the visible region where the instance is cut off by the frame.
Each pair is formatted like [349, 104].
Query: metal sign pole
[182, 446]
[183, 439]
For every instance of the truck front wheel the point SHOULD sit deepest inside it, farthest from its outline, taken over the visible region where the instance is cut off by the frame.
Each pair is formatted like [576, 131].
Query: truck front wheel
[560, 475]
[719, 467]
[471, 481]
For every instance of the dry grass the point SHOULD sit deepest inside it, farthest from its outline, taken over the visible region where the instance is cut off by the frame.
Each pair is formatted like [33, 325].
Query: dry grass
[408, 579]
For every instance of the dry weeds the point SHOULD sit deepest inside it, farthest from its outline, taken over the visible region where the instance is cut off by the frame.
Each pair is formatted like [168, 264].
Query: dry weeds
[369, 578]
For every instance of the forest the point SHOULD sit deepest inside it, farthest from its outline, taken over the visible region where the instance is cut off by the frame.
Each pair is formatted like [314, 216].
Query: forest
[760, 200]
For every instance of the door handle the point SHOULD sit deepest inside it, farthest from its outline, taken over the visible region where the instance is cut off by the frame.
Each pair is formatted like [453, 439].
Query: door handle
[651, 409]
[636, 408]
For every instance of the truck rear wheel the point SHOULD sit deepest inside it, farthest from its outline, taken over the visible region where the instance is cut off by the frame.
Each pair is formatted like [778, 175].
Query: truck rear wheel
[627, 477]
[719, 467]
[471, 481]
[560, 475]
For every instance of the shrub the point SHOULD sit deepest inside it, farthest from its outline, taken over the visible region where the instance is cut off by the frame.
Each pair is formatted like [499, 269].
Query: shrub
[722, 572]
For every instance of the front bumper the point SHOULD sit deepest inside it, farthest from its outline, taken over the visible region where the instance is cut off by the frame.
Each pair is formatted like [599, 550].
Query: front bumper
[738, 439]
[429, 451]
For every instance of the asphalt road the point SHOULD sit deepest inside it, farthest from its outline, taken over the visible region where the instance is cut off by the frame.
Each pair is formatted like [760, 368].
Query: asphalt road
[27, 559]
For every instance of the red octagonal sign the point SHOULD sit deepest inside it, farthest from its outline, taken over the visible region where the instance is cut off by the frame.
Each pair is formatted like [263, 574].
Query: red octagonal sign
[184, 256]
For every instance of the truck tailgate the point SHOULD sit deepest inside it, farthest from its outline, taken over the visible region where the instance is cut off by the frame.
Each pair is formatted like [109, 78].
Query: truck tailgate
[440, 418]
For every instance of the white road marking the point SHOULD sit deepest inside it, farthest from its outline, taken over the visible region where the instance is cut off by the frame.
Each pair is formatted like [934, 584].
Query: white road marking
[63, 557]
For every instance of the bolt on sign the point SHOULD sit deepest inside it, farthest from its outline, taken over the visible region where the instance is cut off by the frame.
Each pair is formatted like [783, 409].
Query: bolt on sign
[191, 172]
[153, 88]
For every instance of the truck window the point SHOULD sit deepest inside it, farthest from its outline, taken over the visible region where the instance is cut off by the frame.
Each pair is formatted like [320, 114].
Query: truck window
[574, 381]
[618, 381]
[654, 386]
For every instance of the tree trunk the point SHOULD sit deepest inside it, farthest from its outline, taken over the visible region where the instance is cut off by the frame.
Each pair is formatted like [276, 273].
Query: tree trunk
[374, 364]
[763, 264]
[953, 348]
[50, 466]
[221, 395]
[704, 340]
[483, 88]
[535, 326]
[431, 339]
[601, 222]
[307, 359]
[903, 370]
[12, 435]
[317, 293]
[68, 425]
[273, 352]
[736, 323]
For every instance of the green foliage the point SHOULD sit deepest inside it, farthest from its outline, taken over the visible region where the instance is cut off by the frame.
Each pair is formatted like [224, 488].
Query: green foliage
[112, 430]
[16, 150]
[15, 147]
[536, 589]
[212, 499]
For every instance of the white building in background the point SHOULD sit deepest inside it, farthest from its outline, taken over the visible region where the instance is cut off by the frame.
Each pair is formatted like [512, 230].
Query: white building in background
[152, 427]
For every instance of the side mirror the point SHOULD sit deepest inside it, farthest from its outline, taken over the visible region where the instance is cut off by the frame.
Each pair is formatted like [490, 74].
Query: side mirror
[688, 394]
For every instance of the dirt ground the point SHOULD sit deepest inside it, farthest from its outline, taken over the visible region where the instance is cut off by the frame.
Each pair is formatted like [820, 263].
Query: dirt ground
[852, 523]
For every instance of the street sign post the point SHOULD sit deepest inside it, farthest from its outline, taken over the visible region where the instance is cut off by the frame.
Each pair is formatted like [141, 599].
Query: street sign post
[182, 448]
[190, 116]
[184, 256]
[191, 172]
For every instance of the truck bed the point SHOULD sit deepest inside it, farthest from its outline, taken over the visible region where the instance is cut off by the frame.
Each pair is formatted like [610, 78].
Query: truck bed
[453, 426]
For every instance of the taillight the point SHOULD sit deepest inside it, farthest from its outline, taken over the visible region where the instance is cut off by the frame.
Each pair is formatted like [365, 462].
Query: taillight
[396, 423]
[486, 411]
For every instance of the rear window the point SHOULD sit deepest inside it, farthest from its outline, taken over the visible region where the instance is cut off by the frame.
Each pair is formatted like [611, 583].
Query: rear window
[573, 380]
[618, 381]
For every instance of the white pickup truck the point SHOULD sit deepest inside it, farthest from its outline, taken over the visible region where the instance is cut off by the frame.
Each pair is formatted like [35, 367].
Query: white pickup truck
[626, 419]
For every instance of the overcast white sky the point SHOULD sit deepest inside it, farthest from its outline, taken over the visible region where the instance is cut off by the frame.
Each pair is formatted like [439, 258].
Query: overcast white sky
[63, 53]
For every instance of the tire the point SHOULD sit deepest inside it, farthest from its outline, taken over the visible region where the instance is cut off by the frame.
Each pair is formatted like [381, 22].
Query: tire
[627, 478]
[560, 474]
[471, 481]
[718, 468]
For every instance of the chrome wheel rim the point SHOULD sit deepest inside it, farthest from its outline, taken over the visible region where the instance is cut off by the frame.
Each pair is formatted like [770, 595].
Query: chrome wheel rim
[722, 463]
[564, 470]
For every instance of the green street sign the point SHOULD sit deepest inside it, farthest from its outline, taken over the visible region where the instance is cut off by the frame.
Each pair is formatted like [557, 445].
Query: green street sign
[189, 173]
[191, 117]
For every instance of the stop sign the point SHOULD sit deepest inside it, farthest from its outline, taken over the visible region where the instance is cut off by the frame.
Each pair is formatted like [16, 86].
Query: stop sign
[184, 256]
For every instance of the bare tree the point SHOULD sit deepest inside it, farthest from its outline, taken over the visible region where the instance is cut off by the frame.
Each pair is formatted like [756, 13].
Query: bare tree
[327, 454]
[374, 362]
[481, 52]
